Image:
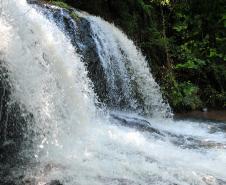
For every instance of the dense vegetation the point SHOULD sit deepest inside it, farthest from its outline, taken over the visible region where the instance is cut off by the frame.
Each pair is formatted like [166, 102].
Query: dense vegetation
[184, 41]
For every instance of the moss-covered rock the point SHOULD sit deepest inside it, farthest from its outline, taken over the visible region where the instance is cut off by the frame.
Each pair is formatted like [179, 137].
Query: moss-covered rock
[60, 3]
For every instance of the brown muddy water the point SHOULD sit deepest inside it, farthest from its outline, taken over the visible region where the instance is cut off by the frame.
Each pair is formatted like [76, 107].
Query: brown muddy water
[214, 115]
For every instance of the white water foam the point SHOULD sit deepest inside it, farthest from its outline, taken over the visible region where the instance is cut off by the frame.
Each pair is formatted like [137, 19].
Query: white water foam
[47, 75]
[74, 145]
[118, 155]
[120, 57]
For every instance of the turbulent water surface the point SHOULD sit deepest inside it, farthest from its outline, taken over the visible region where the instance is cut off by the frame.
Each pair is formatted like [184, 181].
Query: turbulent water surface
[74, 135]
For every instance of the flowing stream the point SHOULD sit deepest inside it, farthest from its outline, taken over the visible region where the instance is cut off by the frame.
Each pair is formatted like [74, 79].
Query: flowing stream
[92, 110]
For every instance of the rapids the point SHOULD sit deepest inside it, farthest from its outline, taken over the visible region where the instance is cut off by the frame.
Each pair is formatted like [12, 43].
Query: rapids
[72, 134]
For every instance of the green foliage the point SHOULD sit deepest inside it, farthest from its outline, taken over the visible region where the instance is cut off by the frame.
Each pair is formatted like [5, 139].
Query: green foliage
[190, 61]
[161, 2]
[60, 3]
[214, 54]
[74, 15]
[63, 4]
[147, 8]
[215, 98]
[180, 27]
[190, 98]
[183, 95]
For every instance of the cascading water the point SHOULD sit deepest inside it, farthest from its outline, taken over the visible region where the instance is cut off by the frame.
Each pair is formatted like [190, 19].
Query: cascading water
[73, 141]
[126, 69]
[48, 81]
[128, 83]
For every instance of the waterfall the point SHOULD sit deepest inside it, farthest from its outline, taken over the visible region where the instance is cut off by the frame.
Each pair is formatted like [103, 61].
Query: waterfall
[126, 69]
[58, 70]
[49, 81]
[126, 81]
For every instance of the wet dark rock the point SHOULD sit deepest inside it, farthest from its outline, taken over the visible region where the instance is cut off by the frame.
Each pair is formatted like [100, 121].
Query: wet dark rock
[89, 54]
[192, 142]
[34, 1]
[133, 122]
[54, 182]
[80, 34]
[221, 182]
[7, 183]
[121, 181]
[13, 125]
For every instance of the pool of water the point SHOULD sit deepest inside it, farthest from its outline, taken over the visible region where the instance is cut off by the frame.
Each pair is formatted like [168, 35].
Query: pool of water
[214, 115]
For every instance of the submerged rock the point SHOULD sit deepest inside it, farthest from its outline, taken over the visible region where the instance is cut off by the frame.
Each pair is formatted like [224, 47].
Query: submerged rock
[54, 182]
[134, 122]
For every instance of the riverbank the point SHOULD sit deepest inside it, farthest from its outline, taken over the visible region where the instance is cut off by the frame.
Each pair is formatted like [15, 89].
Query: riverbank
[215, 115]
